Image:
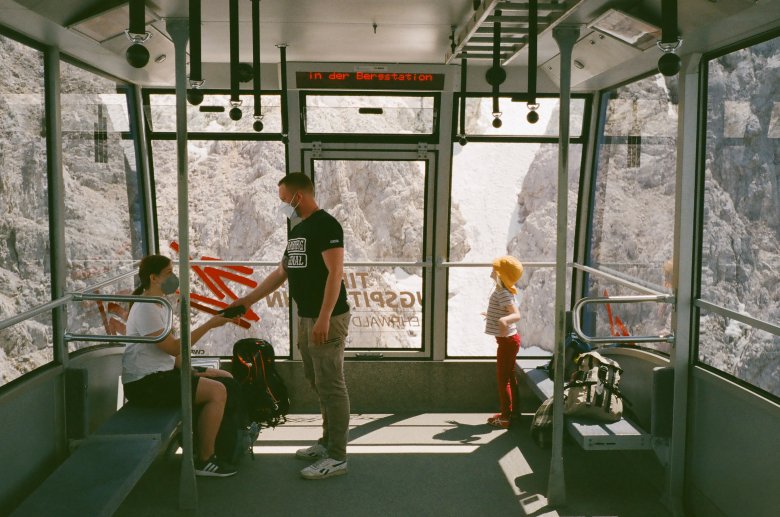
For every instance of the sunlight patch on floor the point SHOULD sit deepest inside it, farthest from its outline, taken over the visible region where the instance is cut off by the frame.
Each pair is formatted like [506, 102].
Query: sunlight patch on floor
[377, 449]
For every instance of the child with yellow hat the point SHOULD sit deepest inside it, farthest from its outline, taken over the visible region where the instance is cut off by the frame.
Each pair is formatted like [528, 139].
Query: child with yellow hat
[500, 319]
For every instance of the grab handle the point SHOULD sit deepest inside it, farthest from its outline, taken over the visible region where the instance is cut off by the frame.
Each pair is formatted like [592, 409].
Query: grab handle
[77, 297]
[577, 311]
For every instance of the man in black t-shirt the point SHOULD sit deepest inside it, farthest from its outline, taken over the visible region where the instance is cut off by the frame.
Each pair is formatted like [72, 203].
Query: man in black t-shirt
[313, 263]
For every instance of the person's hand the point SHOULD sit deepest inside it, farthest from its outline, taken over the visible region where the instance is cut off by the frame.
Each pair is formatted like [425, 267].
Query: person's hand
[237, 302]
[319, 332]
[503, 327]
[217, 321]
[483, 314]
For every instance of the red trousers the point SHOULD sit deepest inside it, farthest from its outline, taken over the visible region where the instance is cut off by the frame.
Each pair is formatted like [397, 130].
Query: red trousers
[506, 354]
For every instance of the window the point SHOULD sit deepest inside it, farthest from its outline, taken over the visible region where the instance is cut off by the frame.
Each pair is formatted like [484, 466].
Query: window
[740, 247]
[212, 114]
[233, 197]
[503, 201]
[381, 207]
[25, 280]
[479, 117]
[633, 206]
[369, 114]
[103, 221]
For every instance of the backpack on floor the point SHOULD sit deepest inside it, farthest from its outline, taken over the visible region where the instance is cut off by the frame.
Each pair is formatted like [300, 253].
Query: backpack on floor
[541, 425]
[263, 390]
[594, 392]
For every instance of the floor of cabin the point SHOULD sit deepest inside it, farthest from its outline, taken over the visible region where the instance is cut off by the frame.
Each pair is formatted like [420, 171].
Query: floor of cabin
[414, 464]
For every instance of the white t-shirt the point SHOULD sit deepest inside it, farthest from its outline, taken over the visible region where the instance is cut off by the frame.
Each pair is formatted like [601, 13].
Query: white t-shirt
[500, 299]
[142, 359]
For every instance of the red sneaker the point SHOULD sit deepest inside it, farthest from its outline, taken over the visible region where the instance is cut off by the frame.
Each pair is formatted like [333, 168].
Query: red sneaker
[500, 422]
[493, 418]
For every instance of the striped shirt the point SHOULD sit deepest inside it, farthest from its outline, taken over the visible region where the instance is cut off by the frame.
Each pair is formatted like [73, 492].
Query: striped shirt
[500, 298]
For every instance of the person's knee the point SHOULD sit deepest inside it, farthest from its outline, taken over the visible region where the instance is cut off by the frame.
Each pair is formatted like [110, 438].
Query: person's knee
[331, 388]
[214, 391]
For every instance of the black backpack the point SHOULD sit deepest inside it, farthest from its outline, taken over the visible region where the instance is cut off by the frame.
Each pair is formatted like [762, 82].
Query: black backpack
[263, 390]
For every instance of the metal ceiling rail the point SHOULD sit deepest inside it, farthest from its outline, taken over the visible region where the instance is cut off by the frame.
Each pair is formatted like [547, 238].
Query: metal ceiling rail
[514, 28]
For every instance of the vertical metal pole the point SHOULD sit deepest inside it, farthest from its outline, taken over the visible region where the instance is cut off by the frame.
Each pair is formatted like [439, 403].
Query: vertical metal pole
[56, 205]
[686, 243]
[178, 28]
[566, 37]
[56, 188]
[144, 172]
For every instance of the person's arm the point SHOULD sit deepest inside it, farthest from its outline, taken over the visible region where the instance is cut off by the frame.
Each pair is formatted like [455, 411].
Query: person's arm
[334, 261]
[512, 316]
[269, 284]
[172, 345]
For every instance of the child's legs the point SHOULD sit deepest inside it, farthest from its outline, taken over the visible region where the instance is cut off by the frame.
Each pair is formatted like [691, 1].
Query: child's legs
[508, 347]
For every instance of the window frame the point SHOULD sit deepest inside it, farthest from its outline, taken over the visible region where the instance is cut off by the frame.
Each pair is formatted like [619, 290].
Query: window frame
[700, 304]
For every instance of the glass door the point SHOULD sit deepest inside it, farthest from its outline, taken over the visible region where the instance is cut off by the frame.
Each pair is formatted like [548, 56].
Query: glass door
[381, 201]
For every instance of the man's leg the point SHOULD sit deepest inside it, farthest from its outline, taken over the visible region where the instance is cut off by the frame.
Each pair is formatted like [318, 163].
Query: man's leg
[304, 334]
[328, 364]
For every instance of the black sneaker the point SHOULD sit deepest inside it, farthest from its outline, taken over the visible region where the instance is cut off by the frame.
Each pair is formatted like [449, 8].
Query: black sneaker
[213, 467]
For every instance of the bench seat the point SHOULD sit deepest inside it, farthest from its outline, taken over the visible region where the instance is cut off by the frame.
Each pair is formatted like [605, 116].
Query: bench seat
[134, 420]
[94, 480]
[101, 472]
[590, 435]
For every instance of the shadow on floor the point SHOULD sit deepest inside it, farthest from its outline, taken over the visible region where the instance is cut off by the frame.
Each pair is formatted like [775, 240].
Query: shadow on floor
[413, 465]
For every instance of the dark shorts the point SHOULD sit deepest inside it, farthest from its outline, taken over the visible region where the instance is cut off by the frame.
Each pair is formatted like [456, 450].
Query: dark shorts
[161, 389]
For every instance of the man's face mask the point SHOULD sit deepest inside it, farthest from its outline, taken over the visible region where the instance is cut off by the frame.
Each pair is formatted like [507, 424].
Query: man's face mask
[170, 284]
[288, 210]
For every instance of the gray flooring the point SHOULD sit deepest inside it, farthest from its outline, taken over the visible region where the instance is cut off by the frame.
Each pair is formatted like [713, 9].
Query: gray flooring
[414, 465]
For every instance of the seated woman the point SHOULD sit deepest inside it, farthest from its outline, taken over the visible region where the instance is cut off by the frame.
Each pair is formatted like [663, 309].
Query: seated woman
[150, 371]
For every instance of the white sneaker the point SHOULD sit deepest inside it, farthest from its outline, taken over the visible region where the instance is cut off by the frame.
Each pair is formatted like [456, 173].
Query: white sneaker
[315, 452]
[325, 468]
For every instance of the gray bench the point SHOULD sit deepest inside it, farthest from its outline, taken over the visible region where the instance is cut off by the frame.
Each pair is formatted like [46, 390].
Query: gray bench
[104, 468]
[590, 435]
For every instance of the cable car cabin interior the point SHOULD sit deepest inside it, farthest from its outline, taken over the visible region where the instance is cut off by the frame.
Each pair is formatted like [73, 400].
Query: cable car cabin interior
[625, 152]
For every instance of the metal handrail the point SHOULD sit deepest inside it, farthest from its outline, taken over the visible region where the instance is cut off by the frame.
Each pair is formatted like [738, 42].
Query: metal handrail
[619, 280]
[767, 327]
[109, 281]
[36, 311]
[267, 263]
[77, 297]
[577, 309]
[490, 264]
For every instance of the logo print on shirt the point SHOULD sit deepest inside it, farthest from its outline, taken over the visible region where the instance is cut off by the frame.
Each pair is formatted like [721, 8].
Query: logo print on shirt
[296, 245]
[334, 241]
[296, 253]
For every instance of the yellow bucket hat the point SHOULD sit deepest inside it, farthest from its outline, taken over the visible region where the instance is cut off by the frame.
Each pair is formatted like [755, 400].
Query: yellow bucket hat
[509, 270]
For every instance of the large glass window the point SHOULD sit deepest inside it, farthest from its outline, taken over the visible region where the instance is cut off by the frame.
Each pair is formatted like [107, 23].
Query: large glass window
[233, 197]
[369, 114]
[25, 280]
[211, 116]
[503, 202]
[381, 206]
[740, 245]
[479, 117]
[633, 206]
[103, 222]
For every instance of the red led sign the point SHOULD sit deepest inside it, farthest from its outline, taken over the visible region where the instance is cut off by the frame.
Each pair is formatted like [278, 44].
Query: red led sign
[370, 80]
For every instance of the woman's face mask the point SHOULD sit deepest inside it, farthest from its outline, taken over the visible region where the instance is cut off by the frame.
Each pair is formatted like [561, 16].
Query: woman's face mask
[287, 209]
[170, 284]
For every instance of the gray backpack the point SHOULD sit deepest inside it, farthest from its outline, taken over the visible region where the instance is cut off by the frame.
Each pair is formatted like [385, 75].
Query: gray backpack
[594, 391]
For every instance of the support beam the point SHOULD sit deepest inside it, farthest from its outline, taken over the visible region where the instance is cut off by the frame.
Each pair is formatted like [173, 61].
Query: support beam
[565, 37]
[178, 28]
[686, 263]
